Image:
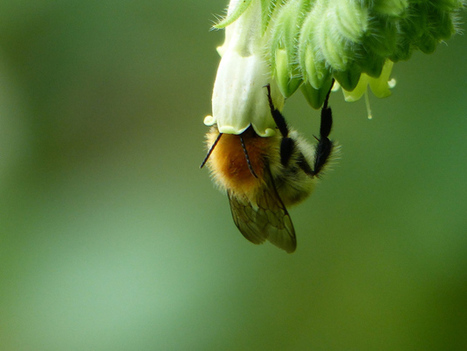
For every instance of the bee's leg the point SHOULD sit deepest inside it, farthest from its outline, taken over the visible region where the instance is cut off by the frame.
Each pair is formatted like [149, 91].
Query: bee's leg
[287, 144]
[278, 117]
[324, 147]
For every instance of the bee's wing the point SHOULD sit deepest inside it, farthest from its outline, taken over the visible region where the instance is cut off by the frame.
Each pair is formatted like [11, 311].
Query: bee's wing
[268, 220]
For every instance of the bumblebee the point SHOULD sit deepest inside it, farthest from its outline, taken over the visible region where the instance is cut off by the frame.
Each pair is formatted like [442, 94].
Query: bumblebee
[264, 175]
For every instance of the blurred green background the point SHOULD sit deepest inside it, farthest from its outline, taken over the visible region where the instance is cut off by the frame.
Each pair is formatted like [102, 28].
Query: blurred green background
[111, 238]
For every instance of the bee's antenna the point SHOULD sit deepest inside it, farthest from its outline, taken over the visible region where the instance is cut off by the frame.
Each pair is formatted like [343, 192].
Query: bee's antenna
[247, 157]
[210, 150]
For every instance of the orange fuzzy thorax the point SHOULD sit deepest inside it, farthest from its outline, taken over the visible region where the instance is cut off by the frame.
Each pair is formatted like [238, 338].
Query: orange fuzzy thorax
[229, 165]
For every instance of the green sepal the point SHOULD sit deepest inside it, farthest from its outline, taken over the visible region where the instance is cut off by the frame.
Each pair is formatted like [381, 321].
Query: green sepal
[427, 44]
[236, 13]
[288, 77]
[316, 97]
[284, 36]
[381, 27]
[349, 78]
[371, 63]
[390, 7]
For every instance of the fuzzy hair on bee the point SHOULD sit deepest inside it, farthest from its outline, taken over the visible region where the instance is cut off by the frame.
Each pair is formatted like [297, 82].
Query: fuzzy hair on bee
[264, 175]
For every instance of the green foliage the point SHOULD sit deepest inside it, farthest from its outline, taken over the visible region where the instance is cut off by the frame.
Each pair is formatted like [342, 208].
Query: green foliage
[311, 40]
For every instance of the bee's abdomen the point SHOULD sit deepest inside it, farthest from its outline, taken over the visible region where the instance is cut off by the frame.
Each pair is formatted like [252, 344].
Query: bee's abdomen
[230, 167]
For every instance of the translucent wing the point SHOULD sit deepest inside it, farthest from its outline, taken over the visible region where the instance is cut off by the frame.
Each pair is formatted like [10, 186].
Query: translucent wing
[268, 220]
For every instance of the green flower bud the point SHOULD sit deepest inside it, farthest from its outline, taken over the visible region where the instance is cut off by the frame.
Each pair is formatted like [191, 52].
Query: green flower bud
[316, 97]
[284, 36]
[330, 32]
[287, 75]
[236, 9]
[379, 86]
[311, 59]
[390, 7]
[378, 28]
[348, 79]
